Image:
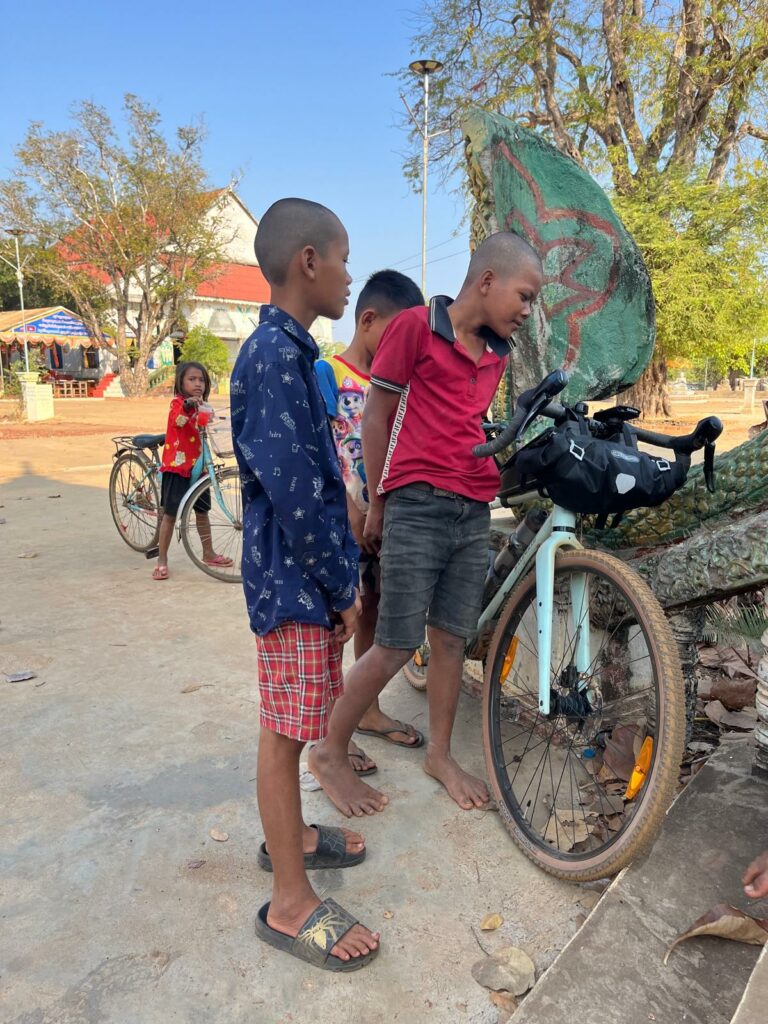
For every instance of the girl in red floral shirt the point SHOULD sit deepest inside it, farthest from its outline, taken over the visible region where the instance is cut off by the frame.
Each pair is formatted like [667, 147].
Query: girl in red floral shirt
[180, 453]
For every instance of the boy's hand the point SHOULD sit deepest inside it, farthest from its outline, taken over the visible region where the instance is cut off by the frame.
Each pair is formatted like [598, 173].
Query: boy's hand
[345, 629]
[374, 524]
[755, 878]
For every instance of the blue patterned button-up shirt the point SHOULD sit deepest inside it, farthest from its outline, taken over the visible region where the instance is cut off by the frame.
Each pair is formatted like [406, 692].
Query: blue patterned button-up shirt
[299, 556]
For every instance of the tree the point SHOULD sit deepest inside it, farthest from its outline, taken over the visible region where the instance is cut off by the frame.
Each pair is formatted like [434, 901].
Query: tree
[126, 226]
[203, 346]
[643, 97]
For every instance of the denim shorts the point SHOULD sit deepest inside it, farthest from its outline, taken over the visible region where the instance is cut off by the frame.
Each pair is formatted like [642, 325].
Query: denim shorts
[434, 559]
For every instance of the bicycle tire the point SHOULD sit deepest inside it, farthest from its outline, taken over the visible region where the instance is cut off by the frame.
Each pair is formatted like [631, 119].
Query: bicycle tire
[416, 673]
[137, 524]
[227, 538]
[642, 816]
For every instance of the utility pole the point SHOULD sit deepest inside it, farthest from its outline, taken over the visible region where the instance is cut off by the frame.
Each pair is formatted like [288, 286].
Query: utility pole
[423, 67]
[16, 232]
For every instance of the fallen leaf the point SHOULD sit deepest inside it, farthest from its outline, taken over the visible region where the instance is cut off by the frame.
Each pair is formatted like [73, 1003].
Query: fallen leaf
[54, 495]
[20, 677]
[509, 970]
[714, 711]
[504, 1001]
[192, 687]
[219, 835]
[564, 830]
[745, 719]
[620, 750]
[726, 922]
[388, 914]
[27, 554]
[195, 863]
[491, 922]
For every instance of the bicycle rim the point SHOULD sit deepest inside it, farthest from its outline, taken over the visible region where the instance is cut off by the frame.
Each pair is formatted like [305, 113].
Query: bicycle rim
[226, 519]
[134, 500]
[584, 790]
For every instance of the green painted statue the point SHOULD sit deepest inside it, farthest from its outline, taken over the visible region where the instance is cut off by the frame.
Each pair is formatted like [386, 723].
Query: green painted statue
[595, 316]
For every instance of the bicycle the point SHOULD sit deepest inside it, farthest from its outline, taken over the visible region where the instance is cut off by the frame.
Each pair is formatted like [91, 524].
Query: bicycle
[583, 694]
[134, 498]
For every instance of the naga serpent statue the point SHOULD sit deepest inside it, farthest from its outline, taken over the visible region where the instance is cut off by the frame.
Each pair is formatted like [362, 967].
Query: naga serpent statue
[595, 317]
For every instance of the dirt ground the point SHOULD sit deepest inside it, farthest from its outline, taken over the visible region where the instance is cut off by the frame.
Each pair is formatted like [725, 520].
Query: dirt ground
[138, 736]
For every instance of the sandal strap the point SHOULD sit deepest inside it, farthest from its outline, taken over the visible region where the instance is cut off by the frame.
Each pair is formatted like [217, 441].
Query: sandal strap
[325, 926]
[331, 843]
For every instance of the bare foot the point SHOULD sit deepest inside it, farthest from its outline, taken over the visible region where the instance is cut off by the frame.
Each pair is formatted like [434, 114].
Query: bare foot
[347, 792]
[354, 841]
[389, 728]
[468, 791]
[357, 942]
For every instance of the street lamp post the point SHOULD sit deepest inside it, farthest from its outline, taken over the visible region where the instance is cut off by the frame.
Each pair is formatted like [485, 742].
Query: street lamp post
[423, 67]
[16, 232]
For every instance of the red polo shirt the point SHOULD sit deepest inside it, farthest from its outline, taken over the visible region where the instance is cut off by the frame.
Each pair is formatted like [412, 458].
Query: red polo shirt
[444, 395]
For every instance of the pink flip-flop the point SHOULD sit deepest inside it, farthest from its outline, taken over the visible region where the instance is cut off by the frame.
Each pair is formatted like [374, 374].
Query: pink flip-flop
[220, 560]
[160, 572]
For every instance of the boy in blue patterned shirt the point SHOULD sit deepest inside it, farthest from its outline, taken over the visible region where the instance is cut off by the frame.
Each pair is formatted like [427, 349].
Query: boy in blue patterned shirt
[299, 571]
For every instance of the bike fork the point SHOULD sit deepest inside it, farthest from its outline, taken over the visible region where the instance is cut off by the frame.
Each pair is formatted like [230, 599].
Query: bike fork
[563, 535]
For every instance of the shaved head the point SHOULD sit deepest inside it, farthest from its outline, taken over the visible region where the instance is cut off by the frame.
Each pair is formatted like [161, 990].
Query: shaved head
[286, 228]
[504, 253]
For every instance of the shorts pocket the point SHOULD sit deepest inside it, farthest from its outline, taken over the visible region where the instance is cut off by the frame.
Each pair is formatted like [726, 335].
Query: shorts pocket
[409, 494]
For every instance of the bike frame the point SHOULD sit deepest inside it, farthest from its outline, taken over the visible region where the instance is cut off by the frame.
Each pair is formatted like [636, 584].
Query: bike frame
[558, 532]
[209, 467]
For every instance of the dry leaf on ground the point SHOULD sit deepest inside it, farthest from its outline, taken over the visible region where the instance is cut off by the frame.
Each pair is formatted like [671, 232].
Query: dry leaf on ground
[745, 719]
[491, 922]
[192, 687]
[219, 835]
[27, 554]
[388, 914]
[564, 830]
[195, 864]
[726, 922]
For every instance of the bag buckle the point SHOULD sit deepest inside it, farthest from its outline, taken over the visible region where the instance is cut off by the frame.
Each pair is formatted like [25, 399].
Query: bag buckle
[664, 465]
[576, 451]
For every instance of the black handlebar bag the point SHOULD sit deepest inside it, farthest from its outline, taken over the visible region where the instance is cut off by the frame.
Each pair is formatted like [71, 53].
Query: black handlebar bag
[593, 475]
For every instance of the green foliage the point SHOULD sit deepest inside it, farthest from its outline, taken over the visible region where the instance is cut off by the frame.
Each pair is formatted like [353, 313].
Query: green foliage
[734, 624]
[704, 246]
[663, 103]
[120, 220]
[203, 346]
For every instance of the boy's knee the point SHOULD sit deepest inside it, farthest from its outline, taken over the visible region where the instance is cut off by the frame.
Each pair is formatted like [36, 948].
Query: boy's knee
[393, 658]
[447, 643]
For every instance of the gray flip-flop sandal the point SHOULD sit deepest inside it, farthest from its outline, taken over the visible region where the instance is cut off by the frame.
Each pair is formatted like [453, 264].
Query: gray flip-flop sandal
[386, 734]
[324, 927]
[331, 852]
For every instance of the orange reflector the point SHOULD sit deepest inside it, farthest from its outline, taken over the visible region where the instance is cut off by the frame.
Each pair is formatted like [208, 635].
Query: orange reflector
[640, 771]
[417, 659]
[509, 659]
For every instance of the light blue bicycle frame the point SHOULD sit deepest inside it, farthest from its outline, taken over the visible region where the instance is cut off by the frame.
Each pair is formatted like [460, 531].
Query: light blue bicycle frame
[204, 465]
[558, 531]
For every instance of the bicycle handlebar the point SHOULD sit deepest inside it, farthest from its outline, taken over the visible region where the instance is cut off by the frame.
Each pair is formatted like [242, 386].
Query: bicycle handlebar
[529, 405]
[538, 402]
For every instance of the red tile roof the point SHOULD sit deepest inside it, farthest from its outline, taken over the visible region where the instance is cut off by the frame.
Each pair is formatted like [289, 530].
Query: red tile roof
[236, 281]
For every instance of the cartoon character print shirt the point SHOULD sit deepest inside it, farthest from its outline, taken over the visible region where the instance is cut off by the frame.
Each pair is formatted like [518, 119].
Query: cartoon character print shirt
[182, 440]
[345, 390]
[299, 556]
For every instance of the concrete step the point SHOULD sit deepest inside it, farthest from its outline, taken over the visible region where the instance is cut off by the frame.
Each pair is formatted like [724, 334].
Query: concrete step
[753, 1008]
[612, 971]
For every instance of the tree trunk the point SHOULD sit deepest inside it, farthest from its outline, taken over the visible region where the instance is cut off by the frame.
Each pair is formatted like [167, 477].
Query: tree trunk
[649, 393]
[135, 379]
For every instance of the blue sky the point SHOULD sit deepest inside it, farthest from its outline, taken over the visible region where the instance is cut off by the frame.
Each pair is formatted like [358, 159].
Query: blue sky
[295, 96]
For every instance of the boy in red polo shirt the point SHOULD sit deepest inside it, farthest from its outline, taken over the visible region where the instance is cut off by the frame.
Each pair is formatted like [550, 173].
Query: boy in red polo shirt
[434, 377]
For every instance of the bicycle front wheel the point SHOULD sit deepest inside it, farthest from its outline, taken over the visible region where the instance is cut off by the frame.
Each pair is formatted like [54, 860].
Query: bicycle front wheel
[134, 500]
[224, 505]
[583, 790]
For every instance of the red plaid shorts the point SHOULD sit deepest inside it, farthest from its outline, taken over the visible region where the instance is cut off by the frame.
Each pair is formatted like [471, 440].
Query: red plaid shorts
[299, 668]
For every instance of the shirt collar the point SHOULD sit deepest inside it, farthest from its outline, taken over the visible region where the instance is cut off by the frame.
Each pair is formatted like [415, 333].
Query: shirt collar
[440, 323]
[274, 315]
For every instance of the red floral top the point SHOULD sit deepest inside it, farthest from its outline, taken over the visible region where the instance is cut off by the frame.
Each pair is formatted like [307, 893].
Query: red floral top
[182, 440]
